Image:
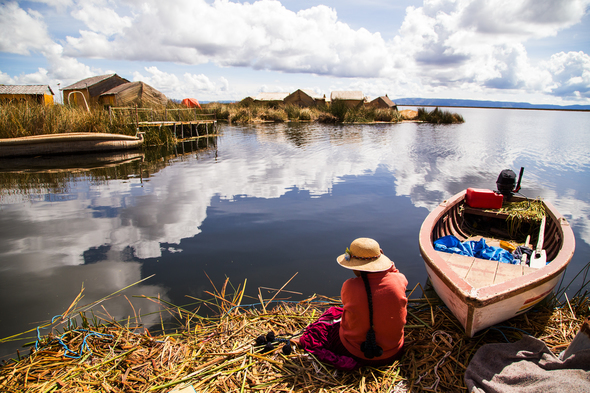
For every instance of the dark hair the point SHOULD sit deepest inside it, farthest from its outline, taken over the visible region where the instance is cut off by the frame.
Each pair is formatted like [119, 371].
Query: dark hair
[370, 347]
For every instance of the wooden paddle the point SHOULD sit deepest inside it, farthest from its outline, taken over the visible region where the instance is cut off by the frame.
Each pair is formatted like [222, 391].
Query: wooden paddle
[539, 257]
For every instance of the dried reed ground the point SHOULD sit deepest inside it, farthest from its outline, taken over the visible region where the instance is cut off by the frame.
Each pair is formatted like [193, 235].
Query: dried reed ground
[218, 354]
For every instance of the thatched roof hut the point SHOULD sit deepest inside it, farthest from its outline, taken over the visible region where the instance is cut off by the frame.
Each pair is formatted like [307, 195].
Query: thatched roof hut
[133, 93]
[352, 99]
[41, 94]
[305, 98]
[270, 98]
[91, 88]
[382, 102]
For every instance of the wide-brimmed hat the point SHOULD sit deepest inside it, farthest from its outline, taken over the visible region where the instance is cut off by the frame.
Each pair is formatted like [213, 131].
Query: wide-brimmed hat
[365, 255]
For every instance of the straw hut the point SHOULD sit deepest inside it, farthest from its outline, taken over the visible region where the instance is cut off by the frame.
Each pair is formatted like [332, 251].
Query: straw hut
[305, 98]
[382, 102]
[133, 93]
[91, 89]
[272, 99]
[247, 101]
[351, 99]
[41, 94]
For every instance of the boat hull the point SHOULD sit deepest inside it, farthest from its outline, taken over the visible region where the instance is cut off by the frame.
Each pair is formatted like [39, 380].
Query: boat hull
[68, 143]
[477, 307]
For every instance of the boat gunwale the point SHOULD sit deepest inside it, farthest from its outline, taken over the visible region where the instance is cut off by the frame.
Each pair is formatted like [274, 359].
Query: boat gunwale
[68, 137]
[480, 297]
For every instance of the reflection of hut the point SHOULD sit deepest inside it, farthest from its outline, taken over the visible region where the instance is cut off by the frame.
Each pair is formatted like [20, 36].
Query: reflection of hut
[351, 99]
[91, 88]
[382, 102]
[41, 94]
[305, 98]
[271, 98]
[133, 93]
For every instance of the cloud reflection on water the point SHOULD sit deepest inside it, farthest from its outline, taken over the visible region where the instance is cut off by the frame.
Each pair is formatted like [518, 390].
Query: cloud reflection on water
[95, 232]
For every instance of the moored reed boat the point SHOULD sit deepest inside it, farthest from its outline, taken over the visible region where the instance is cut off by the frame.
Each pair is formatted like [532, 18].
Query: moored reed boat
[67, 143]
[481, 292]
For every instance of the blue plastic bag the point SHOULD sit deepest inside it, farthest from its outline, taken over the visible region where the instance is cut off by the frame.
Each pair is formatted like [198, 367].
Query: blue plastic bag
[472, 248]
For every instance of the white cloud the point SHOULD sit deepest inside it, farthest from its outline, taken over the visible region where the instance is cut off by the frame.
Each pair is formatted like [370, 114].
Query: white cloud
[20, 31]
[190, 85]
[101, 19]
[571, 73]
[445, 45]
[482, 42]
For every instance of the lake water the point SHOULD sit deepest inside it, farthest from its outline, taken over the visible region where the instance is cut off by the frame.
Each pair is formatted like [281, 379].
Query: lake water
[264, 203]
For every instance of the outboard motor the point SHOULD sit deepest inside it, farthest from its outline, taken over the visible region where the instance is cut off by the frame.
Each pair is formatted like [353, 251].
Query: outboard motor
[506, 183]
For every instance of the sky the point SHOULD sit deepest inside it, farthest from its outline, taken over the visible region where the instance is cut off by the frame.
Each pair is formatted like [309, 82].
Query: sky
[535, 51]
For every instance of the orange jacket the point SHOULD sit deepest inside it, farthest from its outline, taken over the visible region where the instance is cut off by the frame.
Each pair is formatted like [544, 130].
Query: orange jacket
[388, 291]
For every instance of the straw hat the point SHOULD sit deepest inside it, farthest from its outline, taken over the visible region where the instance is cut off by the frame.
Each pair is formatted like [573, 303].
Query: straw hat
[365, 255]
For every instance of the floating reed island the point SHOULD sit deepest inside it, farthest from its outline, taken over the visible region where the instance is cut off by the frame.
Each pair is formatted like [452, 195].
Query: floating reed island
[89, 351]
[26, 119]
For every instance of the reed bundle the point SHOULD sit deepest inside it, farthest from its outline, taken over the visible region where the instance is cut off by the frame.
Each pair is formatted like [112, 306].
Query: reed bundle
[218, 354]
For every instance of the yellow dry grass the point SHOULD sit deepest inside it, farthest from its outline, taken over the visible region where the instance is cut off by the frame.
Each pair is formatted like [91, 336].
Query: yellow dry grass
[218, 354]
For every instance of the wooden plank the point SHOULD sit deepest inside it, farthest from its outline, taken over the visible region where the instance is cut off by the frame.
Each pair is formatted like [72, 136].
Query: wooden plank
[507, 271]
[482, 273]
[527, 269]
[459, 263]
[493, 213]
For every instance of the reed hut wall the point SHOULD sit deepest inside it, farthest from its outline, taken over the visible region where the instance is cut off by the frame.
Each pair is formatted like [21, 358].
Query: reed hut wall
[41, 94]
[271, 99]
[352, 99]
[133, 93]
[91, 88]
[301, 98]
[382, 102]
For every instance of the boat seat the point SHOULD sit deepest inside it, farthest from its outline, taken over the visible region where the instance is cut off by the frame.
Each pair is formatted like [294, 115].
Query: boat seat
[480, 273]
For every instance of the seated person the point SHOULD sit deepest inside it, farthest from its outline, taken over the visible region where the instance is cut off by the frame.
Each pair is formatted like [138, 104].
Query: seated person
[369, 328]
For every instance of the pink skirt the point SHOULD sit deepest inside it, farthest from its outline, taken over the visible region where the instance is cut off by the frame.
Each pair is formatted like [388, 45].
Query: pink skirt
[322, 339]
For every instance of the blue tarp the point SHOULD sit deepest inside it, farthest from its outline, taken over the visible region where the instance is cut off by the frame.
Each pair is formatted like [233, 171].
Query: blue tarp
[472, 248]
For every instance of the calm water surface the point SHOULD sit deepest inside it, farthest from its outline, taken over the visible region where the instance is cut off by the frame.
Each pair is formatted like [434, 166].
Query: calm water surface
[266, 202]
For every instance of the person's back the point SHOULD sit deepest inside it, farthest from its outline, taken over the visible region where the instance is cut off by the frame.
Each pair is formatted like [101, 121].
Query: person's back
[369, 328]
[389, 302]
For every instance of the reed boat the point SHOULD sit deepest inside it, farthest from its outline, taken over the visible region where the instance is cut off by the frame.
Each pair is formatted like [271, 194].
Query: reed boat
[480, 292]
[67, 143]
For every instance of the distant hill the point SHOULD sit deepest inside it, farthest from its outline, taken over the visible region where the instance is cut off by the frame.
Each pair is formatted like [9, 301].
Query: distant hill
[482, 104]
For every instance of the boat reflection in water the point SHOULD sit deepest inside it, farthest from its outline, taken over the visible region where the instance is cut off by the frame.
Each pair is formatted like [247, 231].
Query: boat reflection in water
[69, 162]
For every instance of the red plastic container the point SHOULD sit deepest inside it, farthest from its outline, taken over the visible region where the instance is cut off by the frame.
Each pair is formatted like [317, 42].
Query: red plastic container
[484, 199]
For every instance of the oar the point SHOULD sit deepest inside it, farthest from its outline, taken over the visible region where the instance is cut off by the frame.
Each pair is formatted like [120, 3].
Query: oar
[539, 257]
[524, 255]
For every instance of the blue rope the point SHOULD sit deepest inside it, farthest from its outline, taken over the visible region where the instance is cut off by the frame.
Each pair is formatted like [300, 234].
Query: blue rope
[502, 333]
[508, 327]
[84, 345]
[514, 328]
[68, 351]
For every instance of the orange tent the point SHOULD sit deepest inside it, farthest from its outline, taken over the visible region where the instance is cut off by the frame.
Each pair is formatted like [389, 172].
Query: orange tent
[191, 103]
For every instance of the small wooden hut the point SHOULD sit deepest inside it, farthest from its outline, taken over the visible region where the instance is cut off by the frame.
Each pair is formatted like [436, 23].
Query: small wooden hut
[382, 102]
[351, 99]
[133, 93]
[41, 94]
[304, 98]
[91, 89]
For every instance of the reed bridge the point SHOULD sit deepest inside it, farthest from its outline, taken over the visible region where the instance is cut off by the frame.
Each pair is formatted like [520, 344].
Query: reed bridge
[184, 123]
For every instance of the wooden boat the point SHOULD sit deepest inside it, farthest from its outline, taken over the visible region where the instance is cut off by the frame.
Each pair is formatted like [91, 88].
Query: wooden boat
[67, 143]
[482, 293]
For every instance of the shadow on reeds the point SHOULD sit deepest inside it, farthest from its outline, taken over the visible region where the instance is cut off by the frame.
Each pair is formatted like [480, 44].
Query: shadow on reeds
[88, 349]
